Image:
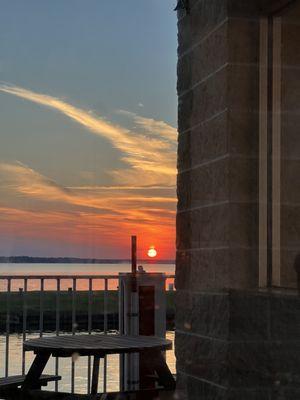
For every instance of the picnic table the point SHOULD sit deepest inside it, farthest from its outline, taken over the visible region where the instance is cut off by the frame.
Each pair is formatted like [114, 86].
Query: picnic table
[98, 346]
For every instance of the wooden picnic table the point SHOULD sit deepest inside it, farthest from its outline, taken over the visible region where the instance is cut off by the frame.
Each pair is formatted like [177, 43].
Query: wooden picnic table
[98, 346]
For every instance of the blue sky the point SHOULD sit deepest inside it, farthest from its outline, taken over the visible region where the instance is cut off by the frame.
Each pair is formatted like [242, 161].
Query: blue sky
[84, 86]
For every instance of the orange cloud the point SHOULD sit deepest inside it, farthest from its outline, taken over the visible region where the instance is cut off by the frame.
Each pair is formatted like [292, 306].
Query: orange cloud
[140, 201]
[40, 208]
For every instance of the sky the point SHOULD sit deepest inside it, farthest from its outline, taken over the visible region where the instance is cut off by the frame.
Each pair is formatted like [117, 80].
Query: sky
[88, 127]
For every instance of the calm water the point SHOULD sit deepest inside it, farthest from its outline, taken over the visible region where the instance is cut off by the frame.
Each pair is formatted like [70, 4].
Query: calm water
[72, 269]
[81, 366]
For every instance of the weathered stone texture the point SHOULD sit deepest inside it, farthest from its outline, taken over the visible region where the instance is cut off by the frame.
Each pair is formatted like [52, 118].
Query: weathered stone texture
[191, 108]
[208, 269]
[205, 17]
[204, 143]
[198, 63]
[243, 340]
[218, 226]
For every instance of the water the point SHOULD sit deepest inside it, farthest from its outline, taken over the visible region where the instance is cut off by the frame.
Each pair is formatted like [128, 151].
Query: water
[72, 269]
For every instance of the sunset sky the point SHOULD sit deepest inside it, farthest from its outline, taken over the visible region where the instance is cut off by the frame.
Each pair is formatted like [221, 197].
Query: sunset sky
[88, 127]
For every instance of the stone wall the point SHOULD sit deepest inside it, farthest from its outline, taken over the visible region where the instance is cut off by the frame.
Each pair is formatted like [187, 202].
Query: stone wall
[223, 321]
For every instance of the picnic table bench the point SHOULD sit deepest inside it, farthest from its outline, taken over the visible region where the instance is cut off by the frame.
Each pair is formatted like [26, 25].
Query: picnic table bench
[10, 383]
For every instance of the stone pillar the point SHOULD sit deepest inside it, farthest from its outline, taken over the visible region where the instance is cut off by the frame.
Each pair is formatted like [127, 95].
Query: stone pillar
[233, 341]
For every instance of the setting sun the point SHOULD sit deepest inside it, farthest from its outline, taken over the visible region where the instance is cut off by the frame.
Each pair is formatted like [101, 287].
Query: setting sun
[152, 252]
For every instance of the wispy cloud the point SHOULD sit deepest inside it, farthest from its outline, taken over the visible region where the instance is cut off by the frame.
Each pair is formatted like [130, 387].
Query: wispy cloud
[150, 154]
[141, 198]
[39, 207]
[153, 127]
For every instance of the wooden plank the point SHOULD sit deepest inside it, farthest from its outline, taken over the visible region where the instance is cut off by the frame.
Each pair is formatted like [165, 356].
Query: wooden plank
[95, 376]
[165, 376]
[96, 344]
[17, 380]
[35, 371]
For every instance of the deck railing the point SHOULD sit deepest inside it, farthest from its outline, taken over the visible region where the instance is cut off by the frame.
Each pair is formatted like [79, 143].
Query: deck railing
[57, 287]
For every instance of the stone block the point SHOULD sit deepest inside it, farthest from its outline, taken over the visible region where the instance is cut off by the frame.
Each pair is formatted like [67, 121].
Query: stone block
[243, 132]
[217, 269]
[200, 62]
[244, 394]
[249, 364]
[199, 228]
[290, 39]
[290, 181]
[198, 389]
[236, 222]
[191, 108]
[184, 310]
[285, 317]
[290, 138]
[205, 16]
[243, 87]
[207, 184]
[290, 226]
[183, 269]
[246, 342]
[210, 314]
[210, 269]
[202, 357]
[249, 316]
[290, 89]
[229, 178]
[203, 143]
[289, 260]
[245, 8]
[243, 41]
[213, 309]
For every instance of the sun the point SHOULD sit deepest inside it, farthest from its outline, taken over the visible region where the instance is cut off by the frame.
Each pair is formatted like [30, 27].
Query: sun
[152, 252]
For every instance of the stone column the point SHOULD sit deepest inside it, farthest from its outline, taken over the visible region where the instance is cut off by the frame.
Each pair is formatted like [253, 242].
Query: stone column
[231, 338]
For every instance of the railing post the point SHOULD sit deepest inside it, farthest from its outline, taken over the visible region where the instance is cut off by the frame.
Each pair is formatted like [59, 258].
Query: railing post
[105, 332]
[57, 326]
[24, 327]
[90, 310]
[74, 327]
[42, 308]
[7, 327]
